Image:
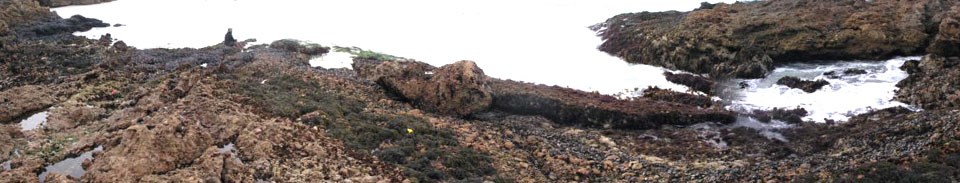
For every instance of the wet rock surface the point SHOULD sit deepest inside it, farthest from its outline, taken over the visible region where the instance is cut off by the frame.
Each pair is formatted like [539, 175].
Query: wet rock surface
[295, 46]
[805, 85]
[289, 122]
[844, 73]
[677, 97]
[568, 106]
[745, 39]
[790, 116]
[696, 83]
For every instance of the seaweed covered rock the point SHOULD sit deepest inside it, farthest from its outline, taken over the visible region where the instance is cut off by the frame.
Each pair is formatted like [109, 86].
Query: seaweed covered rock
[312, 49]
[744, 39]
[805, 85]
[458, 89]
[932, 83]
[696, 83]
[677, 97]
[790, 116]
[844, 73]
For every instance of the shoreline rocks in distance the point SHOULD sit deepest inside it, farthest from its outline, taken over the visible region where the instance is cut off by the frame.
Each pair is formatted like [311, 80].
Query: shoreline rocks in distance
[746, 39]
[696, 83]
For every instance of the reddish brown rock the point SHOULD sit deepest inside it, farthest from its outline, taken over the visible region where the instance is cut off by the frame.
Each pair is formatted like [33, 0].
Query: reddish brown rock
[58, 178]
[458, 89]
[21, 101]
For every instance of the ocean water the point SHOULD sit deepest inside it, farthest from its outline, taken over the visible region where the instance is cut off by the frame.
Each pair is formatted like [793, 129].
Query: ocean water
[843, 98]
[539, 41]
[72, 167]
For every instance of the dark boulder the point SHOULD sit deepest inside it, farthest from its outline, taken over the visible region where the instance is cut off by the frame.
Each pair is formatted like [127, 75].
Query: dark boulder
[66, 26]
[911, 66]
[805, 85]
[848, 72]
[677, 97]
[696, 83]
[790, 116]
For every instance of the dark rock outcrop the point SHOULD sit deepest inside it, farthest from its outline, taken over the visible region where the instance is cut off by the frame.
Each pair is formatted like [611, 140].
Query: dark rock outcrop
[568, 106]
[677, 97]
[228, 39]
[790, 116]
[745, 39]
[696, 83]
[848, 72]
[932, 83]
[805, 85]
[73, 24]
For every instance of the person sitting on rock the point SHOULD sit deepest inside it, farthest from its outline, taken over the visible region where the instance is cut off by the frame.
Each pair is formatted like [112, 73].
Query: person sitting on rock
[228, 39]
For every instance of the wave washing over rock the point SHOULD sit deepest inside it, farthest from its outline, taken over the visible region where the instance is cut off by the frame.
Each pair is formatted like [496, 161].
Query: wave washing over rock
[262, 113]
[844, 97]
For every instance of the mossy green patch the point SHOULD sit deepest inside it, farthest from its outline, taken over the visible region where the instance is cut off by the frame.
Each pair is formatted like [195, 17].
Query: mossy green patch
[291, 96]
[418, 153]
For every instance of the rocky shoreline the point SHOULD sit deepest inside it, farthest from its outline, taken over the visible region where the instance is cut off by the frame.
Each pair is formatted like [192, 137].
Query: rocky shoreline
[164, 115]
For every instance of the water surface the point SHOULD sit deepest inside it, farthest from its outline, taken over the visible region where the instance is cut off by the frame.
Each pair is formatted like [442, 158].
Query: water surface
[72, 167]
[34, 121]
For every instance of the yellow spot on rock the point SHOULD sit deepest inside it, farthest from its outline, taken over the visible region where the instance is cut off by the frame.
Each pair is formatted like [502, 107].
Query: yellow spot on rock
[409, 131]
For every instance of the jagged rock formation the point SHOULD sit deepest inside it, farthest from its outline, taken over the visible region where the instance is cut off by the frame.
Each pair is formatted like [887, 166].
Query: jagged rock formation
[805, 85]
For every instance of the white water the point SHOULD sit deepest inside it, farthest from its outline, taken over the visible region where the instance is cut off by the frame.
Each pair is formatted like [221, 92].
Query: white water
[540, 41]
[34, 121]
[843, 98]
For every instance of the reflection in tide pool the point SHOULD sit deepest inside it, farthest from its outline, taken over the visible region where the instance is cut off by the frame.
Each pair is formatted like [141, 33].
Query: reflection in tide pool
[72, 167]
